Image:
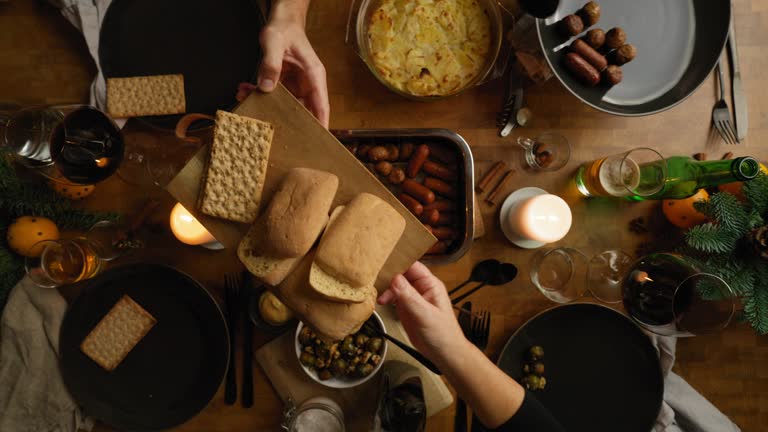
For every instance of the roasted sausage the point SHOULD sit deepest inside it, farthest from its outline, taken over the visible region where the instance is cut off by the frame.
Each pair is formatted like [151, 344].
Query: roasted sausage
[418, 191]
[440, 247]
[378, 153]
[445, 233]
[623, 55]
[439, 170]
[595, 38]
[362, 151]
[384, 168]
[446, 218]
[420, 156]
[440, 187]
[590, 13]
[411, 203]
[571, 25]
[430, 217]
[443, 154]
[441, 205]
[613, 75]
[393, 152]
[396, 176]
[581, 68]
[406, 150]
[615, 38]
[589, 54]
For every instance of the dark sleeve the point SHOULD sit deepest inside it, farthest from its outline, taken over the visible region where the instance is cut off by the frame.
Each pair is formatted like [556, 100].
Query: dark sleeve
[532, 416]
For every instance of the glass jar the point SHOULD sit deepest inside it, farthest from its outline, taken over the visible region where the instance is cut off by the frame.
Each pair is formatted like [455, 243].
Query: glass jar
[318, 414]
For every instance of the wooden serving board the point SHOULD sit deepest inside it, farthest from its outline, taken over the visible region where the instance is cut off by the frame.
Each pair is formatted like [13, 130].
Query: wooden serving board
[278, 359]
[300, 141]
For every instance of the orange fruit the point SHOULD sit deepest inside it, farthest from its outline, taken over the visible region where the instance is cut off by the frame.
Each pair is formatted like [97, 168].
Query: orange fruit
[735, 187]
[25, 234]
[681, 212]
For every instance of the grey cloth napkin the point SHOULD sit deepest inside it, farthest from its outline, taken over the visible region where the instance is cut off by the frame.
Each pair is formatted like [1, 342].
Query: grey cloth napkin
[33, 396]
[684, 409]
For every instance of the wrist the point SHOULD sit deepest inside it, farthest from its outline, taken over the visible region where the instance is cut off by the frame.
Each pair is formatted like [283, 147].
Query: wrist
[290, 12]
[453, 355]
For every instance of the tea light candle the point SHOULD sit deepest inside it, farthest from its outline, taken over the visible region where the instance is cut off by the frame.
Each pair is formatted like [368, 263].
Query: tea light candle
[188, 230]
[531, 218]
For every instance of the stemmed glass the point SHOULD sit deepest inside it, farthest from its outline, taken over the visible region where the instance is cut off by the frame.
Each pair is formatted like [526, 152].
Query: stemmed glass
[668, 295]
[566, 274]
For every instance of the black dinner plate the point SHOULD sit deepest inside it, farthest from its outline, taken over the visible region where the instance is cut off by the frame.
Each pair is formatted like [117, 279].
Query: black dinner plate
[171, 374]
[602, 371]
[214, 44]
[678, 44]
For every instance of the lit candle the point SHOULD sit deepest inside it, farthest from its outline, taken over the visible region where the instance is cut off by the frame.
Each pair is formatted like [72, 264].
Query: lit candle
[187, 229]
[532, 217]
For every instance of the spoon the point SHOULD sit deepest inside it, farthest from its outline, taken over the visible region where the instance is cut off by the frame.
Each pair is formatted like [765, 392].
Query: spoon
[411, 351]
[506, 273]
[482, 272]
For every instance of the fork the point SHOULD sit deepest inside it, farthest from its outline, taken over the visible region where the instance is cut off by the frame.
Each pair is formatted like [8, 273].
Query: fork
[480, 329]
[231, 294]
[721, 115]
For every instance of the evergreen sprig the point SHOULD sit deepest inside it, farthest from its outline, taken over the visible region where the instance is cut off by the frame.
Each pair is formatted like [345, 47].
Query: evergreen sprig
[720, 246]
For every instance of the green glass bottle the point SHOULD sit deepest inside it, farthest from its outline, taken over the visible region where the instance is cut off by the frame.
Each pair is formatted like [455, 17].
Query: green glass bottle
[685, 176]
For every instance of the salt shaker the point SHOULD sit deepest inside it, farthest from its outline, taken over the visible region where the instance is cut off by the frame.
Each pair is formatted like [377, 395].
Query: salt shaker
[318, 414]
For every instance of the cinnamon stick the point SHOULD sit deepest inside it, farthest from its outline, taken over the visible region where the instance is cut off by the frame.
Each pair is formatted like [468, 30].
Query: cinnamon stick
[491, 199]
[490, 176]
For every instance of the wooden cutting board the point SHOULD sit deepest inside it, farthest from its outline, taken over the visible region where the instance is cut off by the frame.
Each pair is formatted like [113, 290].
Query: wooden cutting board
[300, 141]
[278, 359]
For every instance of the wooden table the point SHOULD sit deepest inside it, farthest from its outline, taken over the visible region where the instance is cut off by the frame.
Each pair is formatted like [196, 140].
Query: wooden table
[43, 60]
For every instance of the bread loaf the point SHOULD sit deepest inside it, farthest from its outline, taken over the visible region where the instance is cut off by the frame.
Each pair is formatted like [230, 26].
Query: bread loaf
[290, 226]
[354, 248]
[331, 320]
[237, 166]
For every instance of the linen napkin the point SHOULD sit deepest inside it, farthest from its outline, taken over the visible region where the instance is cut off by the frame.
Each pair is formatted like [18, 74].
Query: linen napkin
[33, 396]
[684, 409]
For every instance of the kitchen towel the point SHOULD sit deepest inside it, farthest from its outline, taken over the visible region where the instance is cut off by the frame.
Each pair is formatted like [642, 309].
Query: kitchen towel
[684, 409]
[33, 396]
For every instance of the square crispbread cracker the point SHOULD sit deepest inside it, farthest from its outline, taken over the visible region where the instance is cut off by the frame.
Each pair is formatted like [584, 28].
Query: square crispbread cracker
[146, 95]
[117, 333]
[237, 167]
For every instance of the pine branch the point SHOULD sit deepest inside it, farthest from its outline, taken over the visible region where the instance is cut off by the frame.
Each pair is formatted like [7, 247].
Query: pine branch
[756, 302]
[756, 191]
[711, 238]
[727, 211]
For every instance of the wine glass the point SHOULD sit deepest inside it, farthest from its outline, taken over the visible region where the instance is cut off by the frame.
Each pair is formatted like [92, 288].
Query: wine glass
[566, 274]
[668, 295]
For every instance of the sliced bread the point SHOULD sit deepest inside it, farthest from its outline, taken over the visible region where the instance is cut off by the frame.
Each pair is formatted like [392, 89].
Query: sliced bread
[354, 248]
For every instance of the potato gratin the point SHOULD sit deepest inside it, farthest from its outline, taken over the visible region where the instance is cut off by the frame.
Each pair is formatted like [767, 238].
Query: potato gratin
[429, 47]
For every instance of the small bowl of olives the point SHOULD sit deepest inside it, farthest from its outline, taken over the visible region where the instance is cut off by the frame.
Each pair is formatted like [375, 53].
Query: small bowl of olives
[345, 363]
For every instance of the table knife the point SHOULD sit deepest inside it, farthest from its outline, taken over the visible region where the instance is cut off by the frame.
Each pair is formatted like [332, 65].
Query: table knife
[460, 420]
[737, 93]
[246, 399]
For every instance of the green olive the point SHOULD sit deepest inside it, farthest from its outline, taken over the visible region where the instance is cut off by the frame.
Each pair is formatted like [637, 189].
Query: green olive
[305, 336]
[531, 382]
[361, 339]
[307, 359]
[536, 352]
[339, 366]
[374, 345]
[364, 370]
[538, 368]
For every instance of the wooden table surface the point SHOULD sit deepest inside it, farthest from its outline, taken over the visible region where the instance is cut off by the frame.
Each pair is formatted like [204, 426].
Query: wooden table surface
[44, 60]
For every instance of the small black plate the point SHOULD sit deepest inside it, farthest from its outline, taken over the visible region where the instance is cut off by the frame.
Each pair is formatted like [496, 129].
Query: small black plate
[214, 44]
[171, 374]
[602, 371]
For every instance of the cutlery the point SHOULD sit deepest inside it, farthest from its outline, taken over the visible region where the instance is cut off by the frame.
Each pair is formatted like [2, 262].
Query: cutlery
[721, 115]
[411, 351]
[246, 398]
[737, 93]
[482, 272]
[506, 120]
[230, 298]
[506, 273]
[465, 319]
[479, 333]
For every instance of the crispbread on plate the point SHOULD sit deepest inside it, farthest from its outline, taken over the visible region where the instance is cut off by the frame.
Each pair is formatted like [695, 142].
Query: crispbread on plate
[146, 95]
[237, 167]
[117, 333]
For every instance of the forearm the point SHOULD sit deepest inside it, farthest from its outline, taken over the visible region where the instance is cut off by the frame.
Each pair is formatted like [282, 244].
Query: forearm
[290, 10]
[492, 394]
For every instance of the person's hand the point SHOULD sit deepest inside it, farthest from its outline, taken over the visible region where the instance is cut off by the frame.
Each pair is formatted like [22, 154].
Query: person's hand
[290, 59]
[426, 312]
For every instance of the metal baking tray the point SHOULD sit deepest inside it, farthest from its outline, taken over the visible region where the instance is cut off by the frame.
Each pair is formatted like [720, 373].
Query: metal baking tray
[466, 179]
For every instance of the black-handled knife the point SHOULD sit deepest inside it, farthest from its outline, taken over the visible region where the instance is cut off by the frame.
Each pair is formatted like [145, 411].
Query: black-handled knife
[246, 399]
[230, 300]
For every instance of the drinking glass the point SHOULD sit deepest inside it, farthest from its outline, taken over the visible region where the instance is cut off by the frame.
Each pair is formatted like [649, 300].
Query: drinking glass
[640, 172]
[83, 143]
[63, 262]
[668, 295]
[567, 274]
[547, 152]
[111, 240]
